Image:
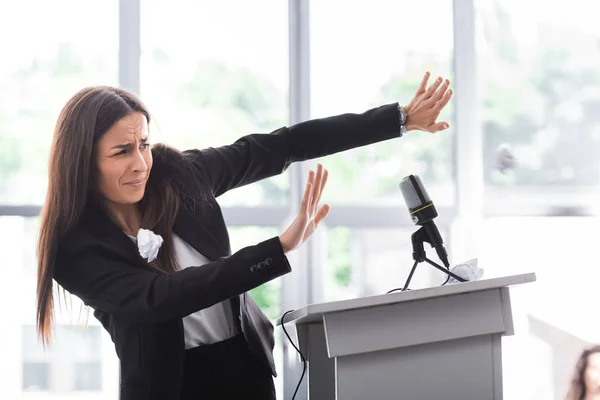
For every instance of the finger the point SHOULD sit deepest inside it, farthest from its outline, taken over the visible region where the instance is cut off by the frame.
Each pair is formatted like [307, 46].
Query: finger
[444, 100]
[316, 189]
[321, 214]
[438, 126]
[440, 92]
[434, 86]
[323, 211]
[322, 184]
[311, 177]
[423, 85]
[304, 206]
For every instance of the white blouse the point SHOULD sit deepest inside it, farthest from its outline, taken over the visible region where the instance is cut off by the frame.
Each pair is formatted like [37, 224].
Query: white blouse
[210, 325]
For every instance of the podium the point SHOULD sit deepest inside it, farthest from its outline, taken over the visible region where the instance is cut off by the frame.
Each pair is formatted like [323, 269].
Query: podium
[435, 343]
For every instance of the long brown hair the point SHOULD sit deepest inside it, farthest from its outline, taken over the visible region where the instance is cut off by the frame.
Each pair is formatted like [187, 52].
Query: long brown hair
[71, 185]
[578, 390]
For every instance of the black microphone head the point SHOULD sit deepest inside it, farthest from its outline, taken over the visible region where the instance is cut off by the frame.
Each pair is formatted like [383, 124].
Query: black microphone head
[417, 200]
[414, 192]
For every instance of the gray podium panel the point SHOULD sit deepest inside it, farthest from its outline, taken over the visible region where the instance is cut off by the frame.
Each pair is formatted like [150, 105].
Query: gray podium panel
[416, 322]
[467, 368]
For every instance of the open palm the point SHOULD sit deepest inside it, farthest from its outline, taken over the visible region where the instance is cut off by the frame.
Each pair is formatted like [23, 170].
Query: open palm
[310, 215]
[427, 104]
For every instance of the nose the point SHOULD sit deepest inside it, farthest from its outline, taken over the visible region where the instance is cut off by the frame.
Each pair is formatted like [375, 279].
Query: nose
[139, 163]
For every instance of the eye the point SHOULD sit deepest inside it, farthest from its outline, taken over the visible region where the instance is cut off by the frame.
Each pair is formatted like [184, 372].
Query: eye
[145, 145]
[120, 153]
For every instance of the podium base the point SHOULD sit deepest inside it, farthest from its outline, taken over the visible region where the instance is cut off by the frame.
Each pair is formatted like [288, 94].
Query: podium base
[436, 348]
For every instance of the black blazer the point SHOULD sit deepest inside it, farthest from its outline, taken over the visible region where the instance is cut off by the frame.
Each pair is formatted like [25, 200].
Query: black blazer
[142, 310]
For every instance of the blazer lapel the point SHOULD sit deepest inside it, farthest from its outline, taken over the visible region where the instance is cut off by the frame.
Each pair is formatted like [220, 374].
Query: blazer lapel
[194, 232]
[187, 225]
[111, 235]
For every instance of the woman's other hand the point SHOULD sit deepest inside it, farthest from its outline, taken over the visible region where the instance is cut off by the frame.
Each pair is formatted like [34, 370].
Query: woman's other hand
[427, 103]
[310, 215]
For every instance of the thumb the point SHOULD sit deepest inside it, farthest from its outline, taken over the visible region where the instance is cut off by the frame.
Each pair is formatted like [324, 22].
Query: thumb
[439, 126]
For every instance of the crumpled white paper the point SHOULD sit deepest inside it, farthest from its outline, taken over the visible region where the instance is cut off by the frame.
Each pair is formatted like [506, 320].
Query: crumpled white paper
[148, 244]
[505, 159]
[467, 270]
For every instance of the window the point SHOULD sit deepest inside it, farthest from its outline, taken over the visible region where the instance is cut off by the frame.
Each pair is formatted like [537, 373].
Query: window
[364, 54]
[371, 261]
[36, 376]
[41, 70]
[81, 361]
[72, 364]
[538, 362]
[87, 376]
[18, 243]
[210, 76]
[538, 77]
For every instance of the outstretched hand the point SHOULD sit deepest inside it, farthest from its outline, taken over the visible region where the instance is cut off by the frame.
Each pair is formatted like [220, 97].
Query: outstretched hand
[309, 217]
[427, 103]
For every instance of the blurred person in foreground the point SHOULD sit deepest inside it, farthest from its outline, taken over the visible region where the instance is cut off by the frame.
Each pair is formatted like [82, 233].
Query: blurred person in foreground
[585, 384]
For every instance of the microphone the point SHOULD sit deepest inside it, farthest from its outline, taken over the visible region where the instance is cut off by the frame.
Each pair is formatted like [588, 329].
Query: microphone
[422, 212]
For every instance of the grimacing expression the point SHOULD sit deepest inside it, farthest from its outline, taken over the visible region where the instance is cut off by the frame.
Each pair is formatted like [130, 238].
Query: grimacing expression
[124, 160]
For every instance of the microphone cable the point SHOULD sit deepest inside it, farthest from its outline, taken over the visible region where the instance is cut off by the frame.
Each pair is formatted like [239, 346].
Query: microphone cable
[297, 349]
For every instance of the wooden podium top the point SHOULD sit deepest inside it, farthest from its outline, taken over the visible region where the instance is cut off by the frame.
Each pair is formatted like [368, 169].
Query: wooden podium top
[313, 312]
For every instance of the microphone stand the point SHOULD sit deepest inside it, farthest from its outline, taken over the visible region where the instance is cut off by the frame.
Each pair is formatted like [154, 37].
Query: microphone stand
[418, 238]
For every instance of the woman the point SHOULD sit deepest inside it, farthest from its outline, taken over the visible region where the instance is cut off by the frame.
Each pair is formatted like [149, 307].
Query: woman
[182, 321]
[585, 384]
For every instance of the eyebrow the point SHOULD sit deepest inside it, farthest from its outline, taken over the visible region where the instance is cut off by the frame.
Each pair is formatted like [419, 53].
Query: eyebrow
[126, 145]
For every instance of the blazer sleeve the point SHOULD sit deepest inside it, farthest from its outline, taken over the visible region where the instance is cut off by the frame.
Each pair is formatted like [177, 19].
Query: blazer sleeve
[258, 156]
[141, 295]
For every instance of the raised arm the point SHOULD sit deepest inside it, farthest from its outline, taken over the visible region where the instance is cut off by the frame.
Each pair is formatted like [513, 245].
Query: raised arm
[258, 156]
[141, 295]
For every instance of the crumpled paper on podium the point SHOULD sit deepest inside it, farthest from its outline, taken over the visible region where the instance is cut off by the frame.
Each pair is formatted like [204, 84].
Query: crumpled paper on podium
[467, 270]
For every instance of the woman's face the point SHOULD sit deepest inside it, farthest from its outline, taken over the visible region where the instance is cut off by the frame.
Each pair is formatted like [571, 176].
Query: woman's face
[592, 373]
[124, 160]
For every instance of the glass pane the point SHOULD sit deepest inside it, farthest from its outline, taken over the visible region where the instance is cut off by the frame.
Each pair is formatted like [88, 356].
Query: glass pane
[88, 376]
[366, 262]
[31, 348]
[18, 243]
[36, 376]
[210, 76]
[71, 341]
[80, 343]
[58, 368]
[47, 65]
[555, 316]
[24, 362]
[376, 61]
[539, 79]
